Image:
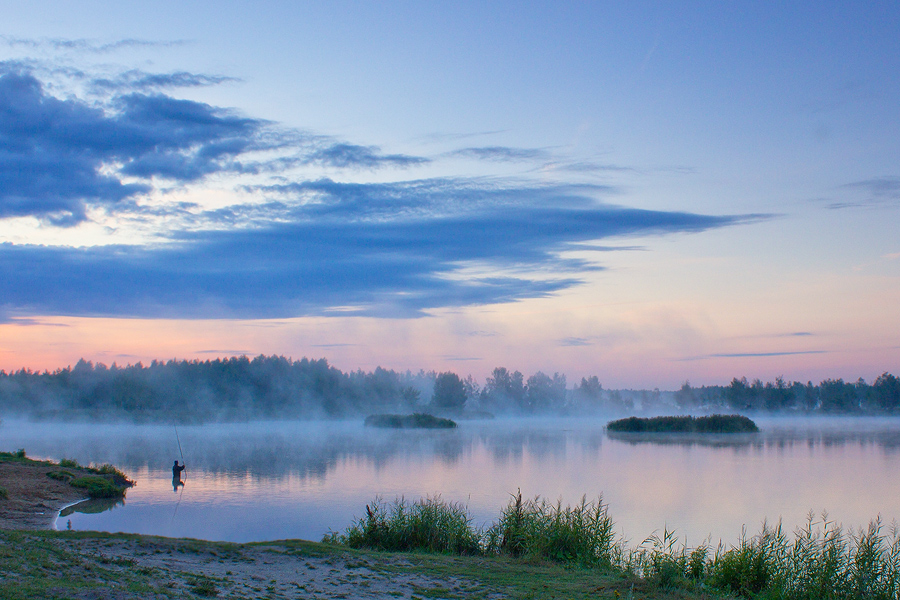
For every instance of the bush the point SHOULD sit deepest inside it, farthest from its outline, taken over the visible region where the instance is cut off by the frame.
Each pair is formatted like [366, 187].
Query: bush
[98, 487]
[69, 463]
[60, 475]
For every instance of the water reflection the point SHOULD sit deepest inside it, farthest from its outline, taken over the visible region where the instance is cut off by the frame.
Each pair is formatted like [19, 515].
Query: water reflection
[92, 506]
[258, 481]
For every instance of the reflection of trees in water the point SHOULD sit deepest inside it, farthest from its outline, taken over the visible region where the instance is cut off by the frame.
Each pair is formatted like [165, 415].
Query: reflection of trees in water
[780, 439]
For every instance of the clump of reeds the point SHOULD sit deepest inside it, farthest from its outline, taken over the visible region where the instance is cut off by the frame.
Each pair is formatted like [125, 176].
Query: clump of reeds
[430, 524]
[821, 562]
[581, 534]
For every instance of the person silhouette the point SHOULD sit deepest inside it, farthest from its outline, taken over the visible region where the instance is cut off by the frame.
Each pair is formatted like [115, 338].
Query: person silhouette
[176, 476]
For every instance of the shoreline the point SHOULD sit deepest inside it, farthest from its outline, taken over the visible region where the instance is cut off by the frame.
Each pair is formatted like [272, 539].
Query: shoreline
[33, 500]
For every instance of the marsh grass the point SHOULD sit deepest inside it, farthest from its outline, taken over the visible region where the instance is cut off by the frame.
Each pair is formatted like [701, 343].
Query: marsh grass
[430, 525]
[581, 534]
[820, 561]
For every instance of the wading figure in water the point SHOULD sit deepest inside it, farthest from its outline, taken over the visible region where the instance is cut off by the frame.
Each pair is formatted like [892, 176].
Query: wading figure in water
[176, 476]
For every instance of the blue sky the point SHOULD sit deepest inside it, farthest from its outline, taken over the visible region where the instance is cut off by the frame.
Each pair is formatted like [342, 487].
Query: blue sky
[648, 193]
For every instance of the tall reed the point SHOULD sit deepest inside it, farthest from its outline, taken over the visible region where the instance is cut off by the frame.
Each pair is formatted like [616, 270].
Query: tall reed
[819, 562]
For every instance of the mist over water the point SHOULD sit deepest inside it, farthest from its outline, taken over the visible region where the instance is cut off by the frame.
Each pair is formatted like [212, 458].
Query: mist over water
[273, 480]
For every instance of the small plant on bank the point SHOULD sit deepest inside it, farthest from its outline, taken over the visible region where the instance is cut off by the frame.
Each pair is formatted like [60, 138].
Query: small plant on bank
[3, 493]
[64, 476]
[97, 487]
[69, 463]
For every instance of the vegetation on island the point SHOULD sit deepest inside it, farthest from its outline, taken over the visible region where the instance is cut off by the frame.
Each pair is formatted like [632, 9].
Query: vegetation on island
[275, 387]
[821, 560]
[413, 421]
[684, 424]
[103, 481]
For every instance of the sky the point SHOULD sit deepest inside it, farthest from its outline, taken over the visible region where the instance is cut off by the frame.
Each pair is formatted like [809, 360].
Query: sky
[651, 193]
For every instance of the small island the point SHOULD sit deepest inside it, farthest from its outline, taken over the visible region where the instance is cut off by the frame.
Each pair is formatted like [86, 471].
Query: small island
[684, 424]
[413, 421]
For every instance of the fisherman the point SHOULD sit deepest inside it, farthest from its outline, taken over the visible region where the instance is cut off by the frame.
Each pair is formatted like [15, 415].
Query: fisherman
[176, 476]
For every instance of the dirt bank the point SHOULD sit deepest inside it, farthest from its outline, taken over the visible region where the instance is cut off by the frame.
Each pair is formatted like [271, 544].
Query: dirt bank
[32, 499]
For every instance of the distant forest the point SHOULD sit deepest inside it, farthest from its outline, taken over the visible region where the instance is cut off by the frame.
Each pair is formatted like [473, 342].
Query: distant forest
[275, 387]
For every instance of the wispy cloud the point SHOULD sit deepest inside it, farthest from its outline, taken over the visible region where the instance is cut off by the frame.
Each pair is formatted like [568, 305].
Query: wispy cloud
[87, 45]
[502, 153]
[876, 191]
[763, 354]
[576, 341]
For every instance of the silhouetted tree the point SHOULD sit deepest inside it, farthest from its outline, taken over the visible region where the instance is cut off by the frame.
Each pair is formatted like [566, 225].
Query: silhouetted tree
[449, 392]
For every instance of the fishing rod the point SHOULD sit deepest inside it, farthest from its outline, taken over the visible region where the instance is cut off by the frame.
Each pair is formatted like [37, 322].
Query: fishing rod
[179, 449]
[177, 504]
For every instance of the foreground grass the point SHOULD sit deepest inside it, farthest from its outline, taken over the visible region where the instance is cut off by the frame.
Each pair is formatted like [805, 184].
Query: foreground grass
[90, 565]
[820, 560]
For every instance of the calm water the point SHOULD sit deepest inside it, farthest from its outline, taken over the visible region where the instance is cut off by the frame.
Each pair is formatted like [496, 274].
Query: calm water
[264, 481]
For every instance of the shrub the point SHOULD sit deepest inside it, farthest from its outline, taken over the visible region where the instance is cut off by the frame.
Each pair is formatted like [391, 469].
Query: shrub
[60, 475]
[98, 487]
[69, 463]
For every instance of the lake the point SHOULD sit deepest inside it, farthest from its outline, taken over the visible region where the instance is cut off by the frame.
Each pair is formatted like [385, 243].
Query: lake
[274, 480]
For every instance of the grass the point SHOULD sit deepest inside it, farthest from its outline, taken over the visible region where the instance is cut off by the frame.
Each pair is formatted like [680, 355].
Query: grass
[684, 424]
[416, 420]
[820, 561]
[97, 487]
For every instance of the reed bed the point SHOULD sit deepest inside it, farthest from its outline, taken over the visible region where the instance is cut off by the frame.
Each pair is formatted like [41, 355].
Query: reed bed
[820, 561]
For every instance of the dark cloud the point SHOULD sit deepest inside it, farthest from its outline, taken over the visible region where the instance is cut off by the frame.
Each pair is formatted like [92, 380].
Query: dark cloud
[56, 154]
[335, 259]
[59, 156]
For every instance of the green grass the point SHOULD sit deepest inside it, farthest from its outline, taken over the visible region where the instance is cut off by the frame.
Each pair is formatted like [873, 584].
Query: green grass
[684, 424]
[821, 560]
[416, 420]
[97, 487]
[430, 524]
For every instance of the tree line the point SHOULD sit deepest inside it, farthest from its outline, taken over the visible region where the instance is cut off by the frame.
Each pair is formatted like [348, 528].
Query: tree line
[275, 387]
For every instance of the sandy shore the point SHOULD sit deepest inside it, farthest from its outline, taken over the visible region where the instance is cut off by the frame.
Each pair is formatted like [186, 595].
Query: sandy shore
[33, 500]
